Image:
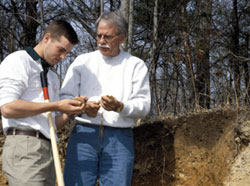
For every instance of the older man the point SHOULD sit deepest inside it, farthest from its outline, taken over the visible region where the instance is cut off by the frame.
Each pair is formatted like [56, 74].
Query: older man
[117, 86]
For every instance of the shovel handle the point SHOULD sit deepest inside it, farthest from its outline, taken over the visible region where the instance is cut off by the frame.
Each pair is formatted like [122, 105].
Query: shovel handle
[57, 163]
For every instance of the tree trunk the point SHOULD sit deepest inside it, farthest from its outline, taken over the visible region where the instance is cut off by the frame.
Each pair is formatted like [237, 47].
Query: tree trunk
[30, 25]
[130, 26]
[40, 2]
[101, 7]
[202, 54]
[235, 50]
[154, 61]
[124, 8]
[246, 70]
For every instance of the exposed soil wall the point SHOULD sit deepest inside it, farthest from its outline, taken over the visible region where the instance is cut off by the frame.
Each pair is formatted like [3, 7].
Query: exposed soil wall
[196, 150]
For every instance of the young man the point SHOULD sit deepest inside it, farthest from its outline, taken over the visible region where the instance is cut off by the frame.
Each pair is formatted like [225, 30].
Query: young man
[117, 85]
[27, 158]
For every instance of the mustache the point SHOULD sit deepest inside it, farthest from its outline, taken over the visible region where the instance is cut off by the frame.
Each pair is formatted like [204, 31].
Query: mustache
[103, 46]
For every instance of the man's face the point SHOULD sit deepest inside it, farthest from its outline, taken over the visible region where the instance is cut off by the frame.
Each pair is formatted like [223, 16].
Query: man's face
[56, 50]
[108, 39]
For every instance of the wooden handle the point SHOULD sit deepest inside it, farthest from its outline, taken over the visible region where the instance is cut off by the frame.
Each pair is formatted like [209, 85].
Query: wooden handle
[57, 163]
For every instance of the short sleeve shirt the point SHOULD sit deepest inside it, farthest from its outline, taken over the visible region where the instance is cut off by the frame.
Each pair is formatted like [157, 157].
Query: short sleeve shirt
[20, 79]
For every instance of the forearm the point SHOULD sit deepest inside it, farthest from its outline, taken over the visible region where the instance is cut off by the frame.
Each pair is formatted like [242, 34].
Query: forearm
[22, 108]
[61, 120]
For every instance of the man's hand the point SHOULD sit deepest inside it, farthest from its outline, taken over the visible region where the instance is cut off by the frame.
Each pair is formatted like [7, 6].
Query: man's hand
[92, 108]
[83, 100]
[110, 103]
[71, 107]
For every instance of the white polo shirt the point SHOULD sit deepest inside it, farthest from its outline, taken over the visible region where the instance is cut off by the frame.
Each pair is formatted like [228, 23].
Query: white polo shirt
[20, 79]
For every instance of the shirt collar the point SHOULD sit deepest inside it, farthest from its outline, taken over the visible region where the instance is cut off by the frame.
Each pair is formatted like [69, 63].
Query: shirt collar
[36, 57]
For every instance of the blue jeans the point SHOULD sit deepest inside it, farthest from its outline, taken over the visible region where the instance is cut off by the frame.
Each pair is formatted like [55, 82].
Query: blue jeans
[109, 157]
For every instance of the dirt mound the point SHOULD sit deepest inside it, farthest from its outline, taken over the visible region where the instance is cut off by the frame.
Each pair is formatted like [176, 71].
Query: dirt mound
[202, 149]
[191, 150]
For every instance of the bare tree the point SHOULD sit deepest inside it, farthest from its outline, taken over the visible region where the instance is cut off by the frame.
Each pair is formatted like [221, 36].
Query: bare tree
[204, 10]
[30, 23]
[235, 63]
[124, 8]
[130, 25]
[101, 7]
[153, 60]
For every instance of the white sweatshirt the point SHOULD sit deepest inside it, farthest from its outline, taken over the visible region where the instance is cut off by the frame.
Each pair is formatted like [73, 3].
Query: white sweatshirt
[124, 76]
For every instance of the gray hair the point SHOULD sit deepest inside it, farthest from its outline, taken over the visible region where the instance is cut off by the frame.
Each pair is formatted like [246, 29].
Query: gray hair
[115, 18]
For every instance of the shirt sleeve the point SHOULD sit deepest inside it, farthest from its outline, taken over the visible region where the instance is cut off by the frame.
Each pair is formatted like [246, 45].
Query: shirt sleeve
[13, 79]
[139, 102]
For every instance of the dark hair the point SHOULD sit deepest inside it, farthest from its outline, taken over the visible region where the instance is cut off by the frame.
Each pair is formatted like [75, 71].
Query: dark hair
[115, 18]
[60, 28]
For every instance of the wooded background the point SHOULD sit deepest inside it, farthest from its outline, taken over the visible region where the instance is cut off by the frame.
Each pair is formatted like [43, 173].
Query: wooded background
[197, 51]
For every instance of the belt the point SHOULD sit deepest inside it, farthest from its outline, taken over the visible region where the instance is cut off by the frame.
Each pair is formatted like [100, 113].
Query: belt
[15, 131]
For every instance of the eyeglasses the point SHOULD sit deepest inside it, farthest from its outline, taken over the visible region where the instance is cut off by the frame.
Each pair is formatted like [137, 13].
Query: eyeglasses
[105, 37]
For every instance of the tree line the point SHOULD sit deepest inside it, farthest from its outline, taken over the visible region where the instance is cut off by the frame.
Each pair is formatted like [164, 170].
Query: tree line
[197, 51]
